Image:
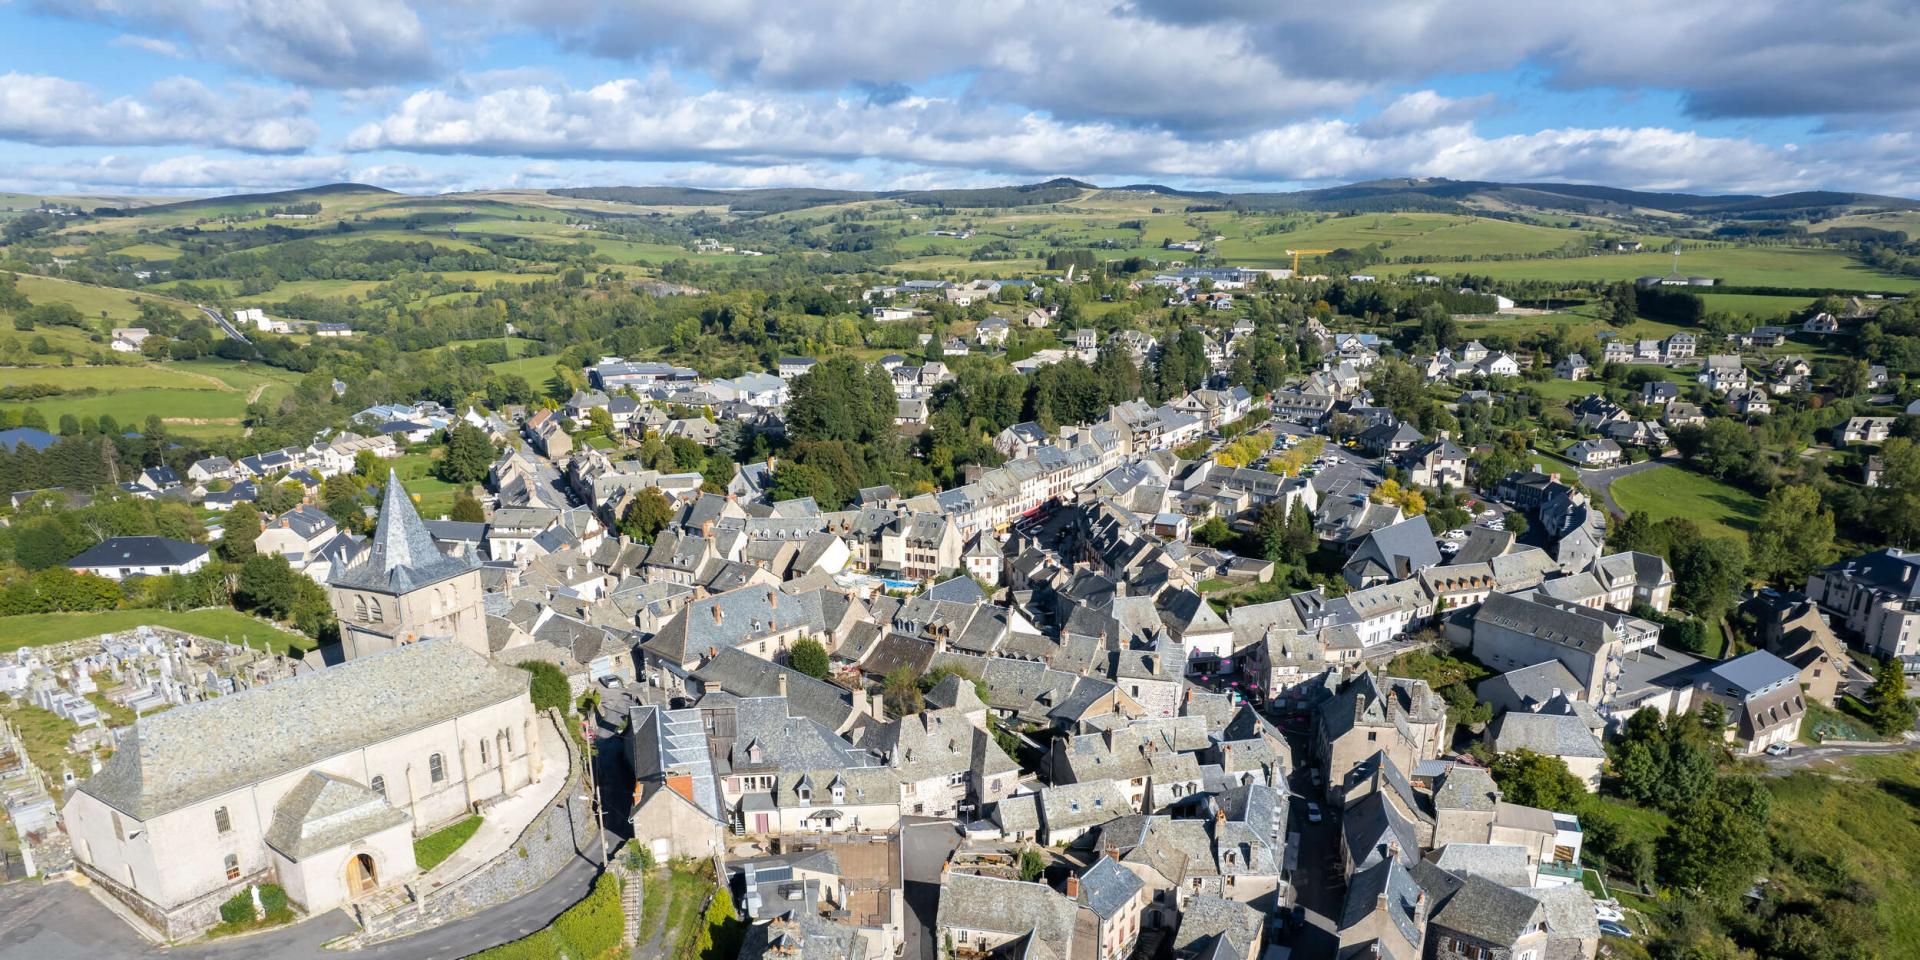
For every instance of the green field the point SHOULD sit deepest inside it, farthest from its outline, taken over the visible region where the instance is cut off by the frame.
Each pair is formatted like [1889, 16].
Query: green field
[1398, 235]
[131, 376]
[218, 623]
[184, 407]
[96, 302]
[1719, 508]
[1738, 266]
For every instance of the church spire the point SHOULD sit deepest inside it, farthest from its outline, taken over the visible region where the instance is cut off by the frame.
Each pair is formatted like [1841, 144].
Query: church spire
[400, 527]
[402, 555]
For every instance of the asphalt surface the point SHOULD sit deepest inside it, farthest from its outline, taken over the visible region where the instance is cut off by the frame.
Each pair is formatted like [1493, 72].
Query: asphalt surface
[1319, 883]
[224, 325]
[59, 921]
[925, 845]
[1802, 758]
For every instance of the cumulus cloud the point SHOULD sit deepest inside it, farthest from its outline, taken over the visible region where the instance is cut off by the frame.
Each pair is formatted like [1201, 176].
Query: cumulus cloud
[52, 111]
[322, 43]
[1422, 135]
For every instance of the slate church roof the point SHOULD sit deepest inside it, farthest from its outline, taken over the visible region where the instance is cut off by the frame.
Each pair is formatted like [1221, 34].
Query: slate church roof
[202, 750]
[402, 556]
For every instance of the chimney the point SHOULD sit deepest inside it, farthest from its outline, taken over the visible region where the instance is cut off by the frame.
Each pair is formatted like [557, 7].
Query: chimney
[773, 599]
[706, 526]
[717, 615]
[1073, 886]
[783, 683]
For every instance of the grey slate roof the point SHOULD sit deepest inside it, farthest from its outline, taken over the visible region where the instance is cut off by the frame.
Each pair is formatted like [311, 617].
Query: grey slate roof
[201, 750]
[1548, 734]
[138, 552]
[1485, 910]
[323, 812]
[402, 556]
[978, 902]
[1106, 887]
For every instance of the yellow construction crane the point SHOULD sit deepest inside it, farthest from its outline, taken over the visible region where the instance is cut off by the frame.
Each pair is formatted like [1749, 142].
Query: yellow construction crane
[1295, 254]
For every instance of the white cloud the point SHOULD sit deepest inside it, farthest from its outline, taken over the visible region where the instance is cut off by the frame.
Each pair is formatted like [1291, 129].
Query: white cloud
[1422, 135]
[52, 111]
[153, 45]
[176, 174]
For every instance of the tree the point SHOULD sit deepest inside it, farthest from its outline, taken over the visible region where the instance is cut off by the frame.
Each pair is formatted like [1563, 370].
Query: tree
[1795, 535]
[466, 509]
[1534, 780]
[1889, 707]
[809, 657]
[1033, 866]
[1715, 847]
[241, 527]
[1708, 574]
[646, 515]
[268, 586]
[1214, 532]
[469, 455]
[900, 691]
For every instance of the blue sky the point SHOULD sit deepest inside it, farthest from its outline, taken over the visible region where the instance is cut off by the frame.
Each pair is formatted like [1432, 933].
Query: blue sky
[201, 96]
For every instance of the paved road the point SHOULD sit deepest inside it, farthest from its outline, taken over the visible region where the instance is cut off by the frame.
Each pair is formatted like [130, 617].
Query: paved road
[924, 848]
[221, 321]
[59, 921]
[1804, 757]
[1319, 883]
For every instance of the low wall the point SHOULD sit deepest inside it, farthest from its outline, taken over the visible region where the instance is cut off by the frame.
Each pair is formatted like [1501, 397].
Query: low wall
[184, 921]
[553, 839]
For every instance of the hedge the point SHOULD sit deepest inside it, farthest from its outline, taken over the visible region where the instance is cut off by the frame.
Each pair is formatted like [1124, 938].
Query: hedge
[593, 929]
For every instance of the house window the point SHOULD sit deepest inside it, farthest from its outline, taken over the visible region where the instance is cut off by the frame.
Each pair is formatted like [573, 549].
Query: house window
[437, 768]
[233, 867]
[506, 737]
[483, 752]
[374, 613]
[221, 821]
[359, 608]
[379, 785]
[1373, 735]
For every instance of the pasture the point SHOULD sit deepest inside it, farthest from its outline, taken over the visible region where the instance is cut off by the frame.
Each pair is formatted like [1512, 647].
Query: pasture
[1807, 267]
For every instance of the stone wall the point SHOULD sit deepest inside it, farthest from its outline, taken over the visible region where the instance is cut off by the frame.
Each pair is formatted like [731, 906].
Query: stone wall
[564, 830]
[185, 920]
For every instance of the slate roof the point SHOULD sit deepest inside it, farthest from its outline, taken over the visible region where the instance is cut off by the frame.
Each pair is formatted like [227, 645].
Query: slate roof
[1487, 911]
[138, 552]
[323, 812]
[1548, 734]
[402, 556]
[1107, 886]
[201, 750]
[975, 902]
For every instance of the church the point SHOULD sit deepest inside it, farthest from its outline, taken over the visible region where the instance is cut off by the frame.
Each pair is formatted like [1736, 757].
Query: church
[402, 588]
[321, 782]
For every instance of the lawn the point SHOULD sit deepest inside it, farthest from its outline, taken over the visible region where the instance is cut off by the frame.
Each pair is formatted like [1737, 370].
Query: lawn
[44, 734]
[432, 495]
[433, 849]
[1720, 509]
[129, 376]
[218, 623]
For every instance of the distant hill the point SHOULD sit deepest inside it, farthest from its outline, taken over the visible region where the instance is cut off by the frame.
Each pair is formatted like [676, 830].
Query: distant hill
[1373, 196]
[279, 198]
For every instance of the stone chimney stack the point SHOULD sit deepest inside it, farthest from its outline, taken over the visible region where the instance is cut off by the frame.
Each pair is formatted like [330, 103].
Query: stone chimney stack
[1073, 886]
[783, 683]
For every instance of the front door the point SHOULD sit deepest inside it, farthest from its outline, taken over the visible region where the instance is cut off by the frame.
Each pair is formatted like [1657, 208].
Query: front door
[360, 876]
[759, 823]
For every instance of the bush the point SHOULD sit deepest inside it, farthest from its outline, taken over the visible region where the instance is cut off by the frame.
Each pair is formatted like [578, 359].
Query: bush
[238, 909]
[588, 930]
[809, 657]
[550, 691]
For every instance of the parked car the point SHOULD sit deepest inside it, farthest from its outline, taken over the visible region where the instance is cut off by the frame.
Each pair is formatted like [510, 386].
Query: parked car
[1608, 914]
[1612, 929]
[1779, 750]
[1313, 812]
